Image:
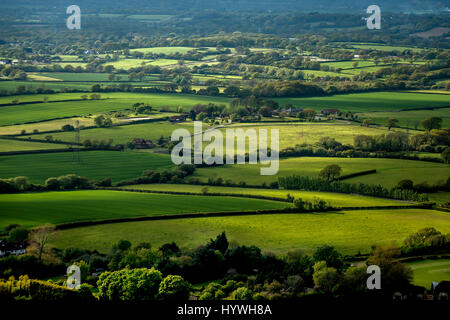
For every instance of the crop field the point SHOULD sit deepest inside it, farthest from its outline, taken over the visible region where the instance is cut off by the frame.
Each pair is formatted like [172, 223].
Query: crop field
[427, 271]
[123, 134]
[389, 171]
[94, 165]
[318, 73]
[71, 77]
[134, 63]
[310, 133]
[370, 46]
[11, 86]
[373, 101]
[334, 199]
[46, 125]
[32, 209]
[350, 232]
[410, 117]
[164, 50]
[12, 145]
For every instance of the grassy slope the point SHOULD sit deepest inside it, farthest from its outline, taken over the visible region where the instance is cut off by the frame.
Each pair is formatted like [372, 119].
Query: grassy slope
[123, 134]
[335, 199]
[310, 133]
[411, 116]
[31, 209]
[373, 101]
[427, 271]
[11, 145]
[389, 171]
[94, 165]
[350, 232]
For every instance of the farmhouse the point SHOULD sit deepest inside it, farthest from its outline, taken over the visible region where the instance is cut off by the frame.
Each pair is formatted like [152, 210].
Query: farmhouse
[7, 249]
[293, 111]
[180, 118]
[143, 144]
[329, 112]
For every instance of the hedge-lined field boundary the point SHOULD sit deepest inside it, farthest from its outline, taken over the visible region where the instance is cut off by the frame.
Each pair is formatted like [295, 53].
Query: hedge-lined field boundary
[356, 174]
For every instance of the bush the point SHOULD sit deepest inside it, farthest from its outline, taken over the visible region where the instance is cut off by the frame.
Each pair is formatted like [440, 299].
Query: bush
[129, 285]
[174, 288]
[242, 293]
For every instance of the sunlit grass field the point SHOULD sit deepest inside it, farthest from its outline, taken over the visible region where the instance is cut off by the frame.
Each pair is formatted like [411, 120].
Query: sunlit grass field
[32, 209]
[350, 232]
[427, 271]
[334, 199]
[94, 165]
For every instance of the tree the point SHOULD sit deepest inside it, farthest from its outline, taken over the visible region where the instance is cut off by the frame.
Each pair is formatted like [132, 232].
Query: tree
[396, 276]
[129, 285]
[325, 278]
[18, 234]
[39, 237]
[406, 184]
[102, 121]
[330, 255]
[392, 123]
[432, 123]
[446, 155]
[242, 293]
[330, 172]
[367, 122]
[174, 288]
[220, 243]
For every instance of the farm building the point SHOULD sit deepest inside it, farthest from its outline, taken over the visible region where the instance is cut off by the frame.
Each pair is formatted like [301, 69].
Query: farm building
[180, 118]
[328, 112]
[143, 144]
[7, 249]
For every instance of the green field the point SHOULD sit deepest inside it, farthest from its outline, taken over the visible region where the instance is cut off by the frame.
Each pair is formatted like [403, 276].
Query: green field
[310, 133]
[73, 76]
[373, 101]
[164, 50]
[389, 171]
[123, 134]
[46, 125]
[32, 209]
[410, 117]
[349, 232]
[13, 145]
[334, 199]
[427, 271]
[94, 165]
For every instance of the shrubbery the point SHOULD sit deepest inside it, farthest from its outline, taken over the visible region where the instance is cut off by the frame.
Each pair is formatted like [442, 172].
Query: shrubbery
[315, 184]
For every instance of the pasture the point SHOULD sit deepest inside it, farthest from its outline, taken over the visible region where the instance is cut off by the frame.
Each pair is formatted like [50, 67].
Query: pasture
[14, 145]
[32, 209]
[123, 134]
[292, 134]
[372, 101]
[389, 171]
[411, 118]
[334, 199]
[94, 165]
[427, 271]
[350, 232]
